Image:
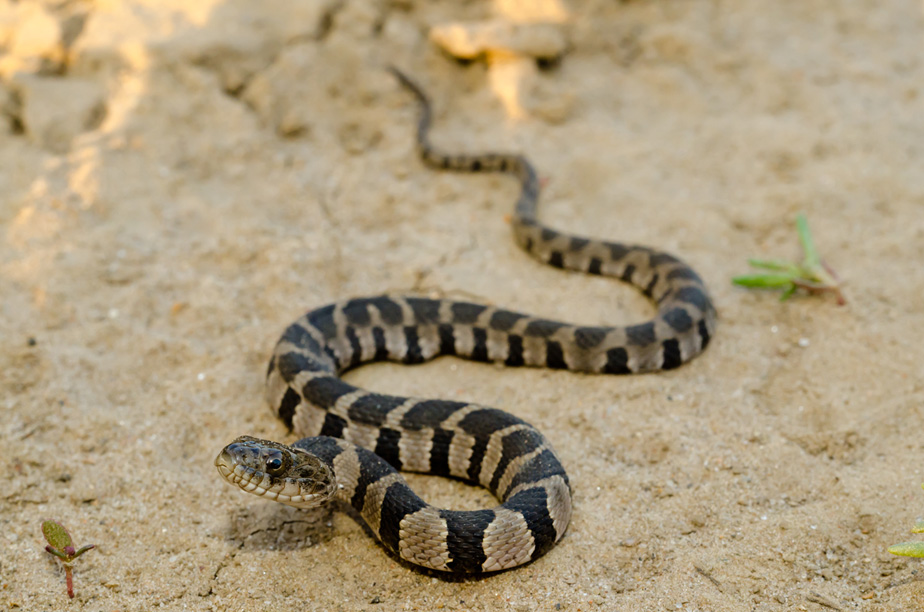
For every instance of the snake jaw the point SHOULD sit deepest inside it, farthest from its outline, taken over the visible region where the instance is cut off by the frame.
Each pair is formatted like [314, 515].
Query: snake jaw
[276, 472]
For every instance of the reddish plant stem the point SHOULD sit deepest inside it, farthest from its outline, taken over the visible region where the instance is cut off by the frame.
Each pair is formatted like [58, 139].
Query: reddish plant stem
[69, 575]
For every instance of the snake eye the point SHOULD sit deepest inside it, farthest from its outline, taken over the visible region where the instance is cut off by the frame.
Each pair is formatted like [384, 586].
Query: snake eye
[274, 465]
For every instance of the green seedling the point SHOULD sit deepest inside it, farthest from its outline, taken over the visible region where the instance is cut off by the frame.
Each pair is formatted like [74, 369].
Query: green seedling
[910, 549]
[812, 275]
[61, 545]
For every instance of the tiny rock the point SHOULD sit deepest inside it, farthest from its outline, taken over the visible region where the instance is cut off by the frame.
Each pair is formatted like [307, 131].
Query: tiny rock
[53, 110]
[555, 11]
[472, 40]
[33, 39]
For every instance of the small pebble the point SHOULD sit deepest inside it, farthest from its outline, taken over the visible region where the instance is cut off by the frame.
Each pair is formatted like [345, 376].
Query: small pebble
[471, 40]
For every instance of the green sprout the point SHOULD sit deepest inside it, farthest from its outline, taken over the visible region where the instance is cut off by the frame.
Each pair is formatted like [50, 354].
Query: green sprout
[61, 545]
[813, 275]
[910, 549]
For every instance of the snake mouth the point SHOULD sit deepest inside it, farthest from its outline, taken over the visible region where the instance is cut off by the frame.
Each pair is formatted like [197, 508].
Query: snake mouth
[248, 479]
[224, 465]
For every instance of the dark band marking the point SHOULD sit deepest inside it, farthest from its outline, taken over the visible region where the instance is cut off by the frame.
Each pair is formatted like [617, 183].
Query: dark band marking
[514, 351]
[333, 425]
[399, 502]
[671, 354]
[480, 424]
[297, 335]
[578, 243]
[649, 289]
[333, 358]
[479, 344]
[483, 422]
[324, 392]
[554, 357]
[514, 445]
[595, 266]
[356, 313]
[323, 320]
[356, 349]
[371, 469]
[465, 538]
[372, 408]
[504, 320]
[617, 251]
[548, 234]
[678, 319]
[429, 413]
[556, 259]
[694, 296]
[525, 221]
[617, 361]
[290, 364]
[388, 309]
[477, 456]
[533, 505]
[589, 337]
[287, 406]
[684, 273]
[703, 333]
[542, 328]
[642, 334]
[386, 446]
[465, 313]
[325, 448]
[381, 346]
[425, 311]
[447, 339]
[627, 273]
[439, 452]
[413, 353]
[544, 465]
[657, 259]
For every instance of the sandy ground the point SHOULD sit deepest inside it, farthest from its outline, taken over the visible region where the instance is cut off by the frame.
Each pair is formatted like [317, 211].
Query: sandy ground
[179, 180]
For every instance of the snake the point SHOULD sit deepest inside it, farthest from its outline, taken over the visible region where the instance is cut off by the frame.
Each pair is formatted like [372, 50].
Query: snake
[356, 441]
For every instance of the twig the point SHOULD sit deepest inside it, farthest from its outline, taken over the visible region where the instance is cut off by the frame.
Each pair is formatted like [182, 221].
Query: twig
[708, 577]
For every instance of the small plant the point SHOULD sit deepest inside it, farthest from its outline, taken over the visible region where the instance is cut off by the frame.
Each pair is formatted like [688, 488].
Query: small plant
[910, 549]
[61, 545]
[813, 275]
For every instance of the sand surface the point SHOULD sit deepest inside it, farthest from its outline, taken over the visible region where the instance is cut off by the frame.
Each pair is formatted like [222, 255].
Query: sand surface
[179, 180]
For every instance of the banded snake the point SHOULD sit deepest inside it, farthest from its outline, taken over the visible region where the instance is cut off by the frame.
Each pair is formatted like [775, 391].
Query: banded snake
[358, 439]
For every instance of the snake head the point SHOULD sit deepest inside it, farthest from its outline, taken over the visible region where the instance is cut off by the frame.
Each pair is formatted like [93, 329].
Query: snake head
[277, 472]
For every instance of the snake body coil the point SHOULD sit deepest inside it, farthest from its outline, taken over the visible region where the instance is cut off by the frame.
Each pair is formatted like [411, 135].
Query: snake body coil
[359, 438]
